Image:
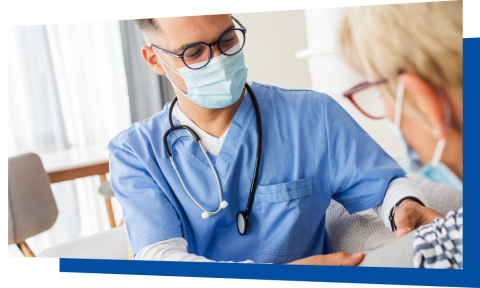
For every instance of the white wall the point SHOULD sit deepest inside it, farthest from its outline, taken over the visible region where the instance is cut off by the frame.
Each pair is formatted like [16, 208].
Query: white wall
[271, 42]
[331, 75]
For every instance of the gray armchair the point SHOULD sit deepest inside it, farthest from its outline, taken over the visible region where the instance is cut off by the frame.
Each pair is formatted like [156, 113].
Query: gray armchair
[32, 210]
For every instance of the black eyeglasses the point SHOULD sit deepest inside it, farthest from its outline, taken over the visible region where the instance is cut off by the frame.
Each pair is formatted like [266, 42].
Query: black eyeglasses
[198, 55]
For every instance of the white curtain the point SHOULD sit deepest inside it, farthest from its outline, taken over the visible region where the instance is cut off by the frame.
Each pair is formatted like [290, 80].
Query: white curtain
[67, 89]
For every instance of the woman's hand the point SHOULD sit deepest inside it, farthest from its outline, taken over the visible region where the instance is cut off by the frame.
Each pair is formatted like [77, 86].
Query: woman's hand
[411, 215]
[334, 259]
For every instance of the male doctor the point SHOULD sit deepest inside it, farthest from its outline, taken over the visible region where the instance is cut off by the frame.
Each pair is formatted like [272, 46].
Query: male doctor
[312, 152]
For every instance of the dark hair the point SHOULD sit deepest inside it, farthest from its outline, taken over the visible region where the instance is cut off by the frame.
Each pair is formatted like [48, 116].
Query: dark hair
[146, 26]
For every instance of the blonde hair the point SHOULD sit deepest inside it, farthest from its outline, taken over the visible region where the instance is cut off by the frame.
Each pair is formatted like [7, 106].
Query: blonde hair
[422, 38]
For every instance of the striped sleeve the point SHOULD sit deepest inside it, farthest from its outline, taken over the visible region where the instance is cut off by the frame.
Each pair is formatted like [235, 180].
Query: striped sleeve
[440, 244]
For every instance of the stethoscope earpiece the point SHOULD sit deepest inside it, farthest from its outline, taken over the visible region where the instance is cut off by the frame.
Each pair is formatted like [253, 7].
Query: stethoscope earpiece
[223, 205]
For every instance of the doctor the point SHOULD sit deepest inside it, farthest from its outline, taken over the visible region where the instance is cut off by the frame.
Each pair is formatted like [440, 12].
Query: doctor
[181, 190]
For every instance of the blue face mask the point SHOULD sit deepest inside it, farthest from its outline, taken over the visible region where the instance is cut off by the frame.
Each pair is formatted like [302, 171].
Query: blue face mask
[435, 171]
[217, 85]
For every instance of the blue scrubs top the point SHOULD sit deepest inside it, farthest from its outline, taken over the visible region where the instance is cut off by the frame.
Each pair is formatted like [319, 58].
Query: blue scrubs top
[313, 152]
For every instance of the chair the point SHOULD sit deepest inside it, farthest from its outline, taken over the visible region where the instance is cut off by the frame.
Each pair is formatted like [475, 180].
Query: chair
[32, 210]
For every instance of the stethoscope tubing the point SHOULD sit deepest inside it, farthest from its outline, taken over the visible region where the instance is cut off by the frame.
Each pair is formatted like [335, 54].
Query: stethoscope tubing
[185, 187]
[169, 153]
[259, 152]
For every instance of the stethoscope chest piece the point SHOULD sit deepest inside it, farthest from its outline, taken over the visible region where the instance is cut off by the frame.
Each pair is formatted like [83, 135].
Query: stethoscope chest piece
[242, 223]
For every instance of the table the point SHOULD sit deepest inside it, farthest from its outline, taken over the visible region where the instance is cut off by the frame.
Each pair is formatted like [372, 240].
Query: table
[74, 163]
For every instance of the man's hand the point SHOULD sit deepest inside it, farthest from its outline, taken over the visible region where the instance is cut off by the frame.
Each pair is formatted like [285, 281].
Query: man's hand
[411, 215]
[334, 259]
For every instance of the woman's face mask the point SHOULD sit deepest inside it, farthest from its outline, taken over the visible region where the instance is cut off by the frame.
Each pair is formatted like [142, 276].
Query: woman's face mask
[435, 171]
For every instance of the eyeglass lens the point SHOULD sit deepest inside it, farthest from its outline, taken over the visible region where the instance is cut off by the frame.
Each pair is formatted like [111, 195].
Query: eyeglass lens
[370, 101]
[200, 52]
[229, 40]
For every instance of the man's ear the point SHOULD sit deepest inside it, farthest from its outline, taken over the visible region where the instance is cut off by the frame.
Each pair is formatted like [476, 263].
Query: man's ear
[428, 101]
[152, 60]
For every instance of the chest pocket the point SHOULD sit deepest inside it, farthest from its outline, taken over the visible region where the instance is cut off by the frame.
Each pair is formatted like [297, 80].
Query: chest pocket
[285, 213]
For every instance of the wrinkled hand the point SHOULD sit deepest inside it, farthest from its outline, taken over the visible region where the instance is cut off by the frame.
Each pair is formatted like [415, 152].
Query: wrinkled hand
[334, 259]
[411, 215]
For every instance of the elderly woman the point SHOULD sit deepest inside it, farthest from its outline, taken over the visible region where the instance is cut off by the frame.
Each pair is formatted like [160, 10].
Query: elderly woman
[412, 54]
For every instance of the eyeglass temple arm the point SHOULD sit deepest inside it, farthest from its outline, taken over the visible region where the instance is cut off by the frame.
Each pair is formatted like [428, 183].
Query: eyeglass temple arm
[363, 86]
[165, 51]
[238, 22]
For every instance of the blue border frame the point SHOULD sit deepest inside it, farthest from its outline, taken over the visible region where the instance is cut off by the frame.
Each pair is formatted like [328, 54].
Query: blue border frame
[370, 275]
[471, 138]
[469, 276]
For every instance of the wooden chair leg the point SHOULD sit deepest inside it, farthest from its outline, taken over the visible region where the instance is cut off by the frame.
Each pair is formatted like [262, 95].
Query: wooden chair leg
[111, 217]
[108, 203]
[121, 223]
[27, 252]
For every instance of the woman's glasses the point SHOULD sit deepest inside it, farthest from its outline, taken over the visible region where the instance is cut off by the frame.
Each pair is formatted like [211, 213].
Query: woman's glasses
[198, 55]
[367, 98]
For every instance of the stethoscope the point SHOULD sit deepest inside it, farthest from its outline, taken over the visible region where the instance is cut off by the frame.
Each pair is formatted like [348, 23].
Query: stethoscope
[242, 217]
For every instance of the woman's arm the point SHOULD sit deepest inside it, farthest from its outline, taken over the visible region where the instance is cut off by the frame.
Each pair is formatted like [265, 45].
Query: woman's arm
[440, 244]
[435, 245]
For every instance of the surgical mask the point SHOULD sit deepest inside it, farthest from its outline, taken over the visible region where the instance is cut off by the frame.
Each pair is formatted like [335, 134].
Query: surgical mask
[217, 85]
[435, 171]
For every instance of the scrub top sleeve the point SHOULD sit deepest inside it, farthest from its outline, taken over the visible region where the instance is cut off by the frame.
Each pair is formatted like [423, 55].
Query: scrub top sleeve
[148, 214]
[360, 170]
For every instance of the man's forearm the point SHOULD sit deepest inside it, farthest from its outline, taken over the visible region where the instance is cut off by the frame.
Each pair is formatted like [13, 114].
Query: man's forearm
[174, 249]
[396, 190]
